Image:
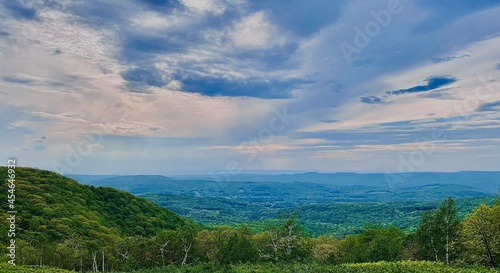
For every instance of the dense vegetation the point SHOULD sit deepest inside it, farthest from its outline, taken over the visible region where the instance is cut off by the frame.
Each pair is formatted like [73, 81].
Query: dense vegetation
[378, 267]
[338, 219]
[32, 269]
[58, 217]
[336, 203]
[84, 228]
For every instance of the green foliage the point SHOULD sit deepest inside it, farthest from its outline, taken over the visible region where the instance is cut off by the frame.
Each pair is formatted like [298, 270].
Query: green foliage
[225, 245]
[56, 208]
[84, 228]
[382, 244]
[32, 269]
[379, 267]
[285, 241]
[65, 224]
[438, 233]
[337, 219]
[481, 235]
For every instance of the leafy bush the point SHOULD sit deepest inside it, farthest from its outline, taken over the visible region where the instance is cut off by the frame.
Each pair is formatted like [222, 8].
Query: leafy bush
[379, 267]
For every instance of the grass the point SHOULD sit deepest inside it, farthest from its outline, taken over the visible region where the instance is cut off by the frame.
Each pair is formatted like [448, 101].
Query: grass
[8, 268]
[380, 267]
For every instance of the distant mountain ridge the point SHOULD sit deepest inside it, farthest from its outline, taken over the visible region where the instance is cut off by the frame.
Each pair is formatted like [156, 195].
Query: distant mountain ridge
[484, 180]
[308, 188]
[327, 203]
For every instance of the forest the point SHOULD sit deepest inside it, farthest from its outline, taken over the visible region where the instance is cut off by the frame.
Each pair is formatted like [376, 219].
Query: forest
[65, 225]
[337, 219]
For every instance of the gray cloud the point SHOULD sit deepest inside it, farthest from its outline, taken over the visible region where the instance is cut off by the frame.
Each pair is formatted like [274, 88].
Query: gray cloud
[491, 106]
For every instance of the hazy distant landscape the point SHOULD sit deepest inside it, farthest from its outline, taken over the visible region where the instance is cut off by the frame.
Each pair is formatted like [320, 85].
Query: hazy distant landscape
[326, 203]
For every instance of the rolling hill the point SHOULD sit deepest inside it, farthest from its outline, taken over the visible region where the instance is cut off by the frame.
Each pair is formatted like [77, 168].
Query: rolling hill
[310, 188]
[52, 207]
[335, 203]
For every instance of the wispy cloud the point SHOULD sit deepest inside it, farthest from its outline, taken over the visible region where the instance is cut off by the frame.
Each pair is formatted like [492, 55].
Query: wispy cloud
[432, 83]
[188, 83]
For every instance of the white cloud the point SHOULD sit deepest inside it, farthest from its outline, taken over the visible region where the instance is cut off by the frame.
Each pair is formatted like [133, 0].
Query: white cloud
[68, 116]
[256, 31]
[474, 86]
[70, 69]
[155, 21]
[201, 6]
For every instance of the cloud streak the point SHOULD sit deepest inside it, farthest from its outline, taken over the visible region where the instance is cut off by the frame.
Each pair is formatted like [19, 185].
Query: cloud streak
[432, 83]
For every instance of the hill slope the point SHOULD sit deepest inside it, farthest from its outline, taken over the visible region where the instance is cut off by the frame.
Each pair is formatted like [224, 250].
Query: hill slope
[53, 207]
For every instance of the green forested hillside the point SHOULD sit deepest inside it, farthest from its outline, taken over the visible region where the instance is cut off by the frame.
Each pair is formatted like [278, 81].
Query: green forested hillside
[58, 216]
[54, 207]
[338, 219]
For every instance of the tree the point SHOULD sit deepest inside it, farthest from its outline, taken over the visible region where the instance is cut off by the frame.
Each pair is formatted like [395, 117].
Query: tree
[205, 247]
[481, 234]
[438, 233]
[351, 250]
[428, 236]
[383, 244]
[164, 243]
[325, 249]
[448, 218]
[283, 242]
[374, 244]
[186, 236]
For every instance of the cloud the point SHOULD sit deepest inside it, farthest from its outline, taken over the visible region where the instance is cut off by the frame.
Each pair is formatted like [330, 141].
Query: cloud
[162, 3]
[17, 79]
[255, 31]
[179, 84]
[72, 117]
[257, 88]
[491, 106]
[144, 76]
[441, 15]
[371, 100]
[301, 17]
[202, 6]
[20, 11]
[438, 94]
[36, 144]
[448, 58]
[433, 82]
[129, 128]
[39, 140]
[38, 148]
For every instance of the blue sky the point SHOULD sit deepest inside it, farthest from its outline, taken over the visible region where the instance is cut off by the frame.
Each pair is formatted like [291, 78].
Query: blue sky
[219, 86]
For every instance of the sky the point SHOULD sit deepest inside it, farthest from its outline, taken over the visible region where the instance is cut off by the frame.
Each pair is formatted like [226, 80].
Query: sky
[225, 87]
